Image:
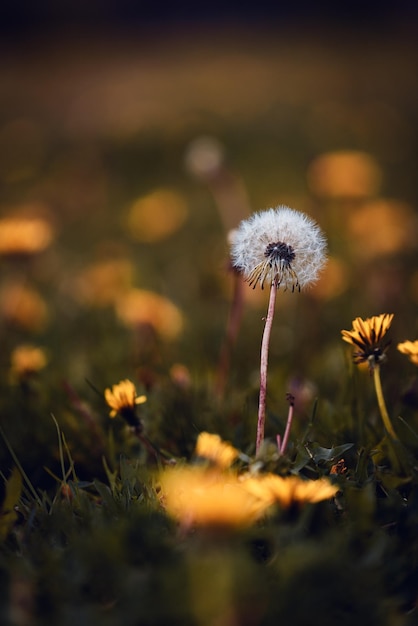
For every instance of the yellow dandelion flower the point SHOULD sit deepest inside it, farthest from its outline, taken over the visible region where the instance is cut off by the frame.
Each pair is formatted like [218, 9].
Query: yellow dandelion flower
[24, 235]
[139, 306]
[344, 174]
[157, 216]
[194, 496]
[288, 490]
[393, 224]
[27, 360]
[367, 336]
[410, 348]
[103, 283]
[122, 399]
[218, 452]
[23, 307]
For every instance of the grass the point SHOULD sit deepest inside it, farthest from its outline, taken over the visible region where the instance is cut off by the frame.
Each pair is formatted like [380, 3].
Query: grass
[85, 533]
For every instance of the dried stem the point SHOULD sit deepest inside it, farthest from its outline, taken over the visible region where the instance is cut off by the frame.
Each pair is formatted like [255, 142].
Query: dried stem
[381, 402]
[263, 366]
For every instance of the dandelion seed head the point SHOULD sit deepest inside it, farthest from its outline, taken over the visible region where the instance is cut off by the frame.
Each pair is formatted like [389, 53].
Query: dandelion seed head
[279, 245]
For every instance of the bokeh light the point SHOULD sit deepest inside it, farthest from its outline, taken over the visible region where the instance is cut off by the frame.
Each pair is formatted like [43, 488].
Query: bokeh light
[157, 215]
[344, 174]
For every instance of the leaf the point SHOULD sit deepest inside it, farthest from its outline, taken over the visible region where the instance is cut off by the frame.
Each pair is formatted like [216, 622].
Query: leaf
[329, 454]
[302, 459]
[317, 454]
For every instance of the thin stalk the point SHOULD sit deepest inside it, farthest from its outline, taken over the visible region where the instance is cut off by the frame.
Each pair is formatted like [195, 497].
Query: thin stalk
[381, 402]
[291, 401]
[263, 367]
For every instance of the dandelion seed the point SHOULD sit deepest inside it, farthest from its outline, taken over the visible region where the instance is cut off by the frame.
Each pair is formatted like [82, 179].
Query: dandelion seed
[410, 348]
[282, 248]
[122, 399]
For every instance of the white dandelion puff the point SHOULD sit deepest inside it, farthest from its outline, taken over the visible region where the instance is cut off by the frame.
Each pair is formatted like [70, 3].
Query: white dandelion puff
[280, 246]
[283, 248]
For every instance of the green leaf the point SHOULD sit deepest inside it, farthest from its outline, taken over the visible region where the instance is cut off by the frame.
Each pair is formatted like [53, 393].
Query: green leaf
[329, 454]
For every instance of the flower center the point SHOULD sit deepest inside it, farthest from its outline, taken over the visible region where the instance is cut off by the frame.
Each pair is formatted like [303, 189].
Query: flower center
[276, 267]
[280, 251]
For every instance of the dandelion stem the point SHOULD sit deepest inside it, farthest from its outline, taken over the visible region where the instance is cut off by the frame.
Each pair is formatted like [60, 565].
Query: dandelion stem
[381, 401]
[291, 401]
[263, 366]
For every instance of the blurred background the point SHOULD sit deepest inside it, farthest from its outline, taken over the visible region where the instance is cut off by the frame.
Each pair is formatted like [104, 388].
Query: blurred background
[135, 136]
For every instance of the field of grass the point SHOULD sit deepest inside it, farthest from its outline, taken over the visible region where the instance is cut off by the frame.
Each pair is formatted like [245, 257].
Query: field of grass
[126, 162]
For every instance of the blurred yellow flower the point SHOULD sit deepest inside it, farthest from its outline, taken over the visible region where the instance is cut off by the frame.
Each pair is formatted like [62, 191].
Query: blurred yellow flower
[344, 174]
[23, 307]
[367, 336]
[272, 489]
[138, 306]
[103, 283]
[157, 215]
[26, 360]
[410, 348]
[122, 399]
[218, 452]
[24, 235]
[382, 227]
[194, 496]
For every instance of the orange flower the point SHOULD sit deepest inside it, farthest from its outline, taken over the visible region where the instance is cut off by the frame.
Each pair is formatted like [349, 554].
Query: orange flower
[138, 306]
[288, 490]
[122, 399]
[26, 360]
[410, 348]
[24, 235]
[23, 307]
[381, 228]
[194, 496]
[103, 283]
[344, 174]
[218, 452]
[157, 215]
[367, 336]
